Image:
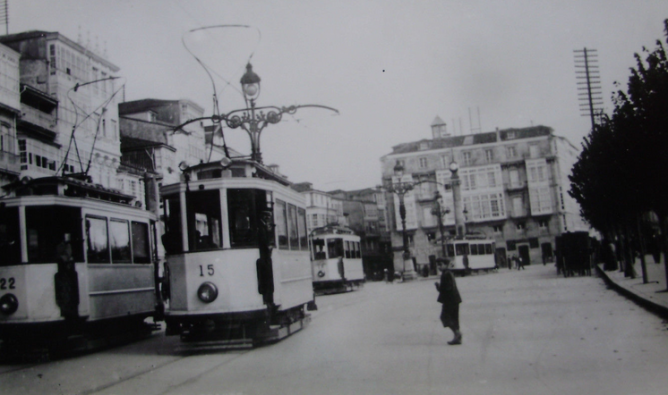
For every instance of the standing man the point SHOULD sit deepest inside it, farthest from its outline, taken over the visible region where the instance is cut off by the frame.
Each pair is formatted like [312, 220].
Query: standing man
[448, 296]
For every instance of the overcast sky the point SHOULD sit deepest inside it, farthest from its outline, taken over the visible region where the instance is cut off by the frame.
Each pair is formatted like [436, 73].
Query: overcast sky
[390, 67]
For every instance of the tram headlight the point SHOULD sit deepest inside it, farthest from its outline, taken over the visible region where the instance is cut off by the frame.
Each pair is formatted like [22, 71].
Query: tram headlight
[321, 274]
[207, 292]
[8, 304]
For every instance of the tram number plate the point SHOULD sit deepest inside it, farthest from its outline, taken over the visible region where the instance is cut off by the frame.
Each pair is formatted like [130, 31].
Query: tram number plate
[7, 283]
[208, 270]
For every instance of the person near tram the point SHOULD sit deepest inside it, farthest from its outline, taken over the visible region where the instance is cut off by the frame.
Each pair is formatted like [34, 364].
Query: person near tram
[448, 296]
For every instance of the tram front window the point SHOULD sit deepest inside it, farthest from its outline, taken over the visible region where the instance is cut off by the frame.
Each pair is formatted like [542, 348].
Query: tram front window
[335, 248]
[319, 249]
[243, 209]
[204, 224]
[10, 245]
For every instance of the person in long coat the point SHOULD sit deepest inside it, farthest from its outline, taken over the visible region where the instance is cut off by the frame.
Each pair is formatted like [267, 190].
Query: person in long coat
[448, 296]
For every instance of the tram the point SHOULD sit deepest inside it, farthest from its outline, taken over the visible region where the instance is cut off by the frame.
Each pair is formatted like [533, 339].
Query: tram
[237, 255]
[76, 261]
[336, 259]
[471, 254]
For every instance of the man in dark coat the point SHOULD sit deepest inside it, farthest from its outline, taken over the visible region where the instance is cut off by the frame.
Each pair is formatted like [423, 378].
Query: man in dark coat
[448, 296]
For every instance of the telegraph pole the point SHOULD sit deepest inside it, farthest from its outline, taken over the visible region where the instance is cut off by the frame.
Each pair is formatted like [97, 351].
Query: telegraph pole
[589, 82]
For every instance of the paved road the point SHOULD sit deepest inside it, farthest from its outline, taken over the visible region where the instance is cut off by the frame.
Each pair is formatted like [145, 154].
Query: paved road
[527, 332]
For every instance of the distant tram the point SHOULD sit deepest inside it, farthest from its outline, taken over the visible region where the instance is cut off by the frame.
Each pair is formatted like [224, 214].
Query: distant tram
[76, 261]
[237, 255]
[336, 259]
[470, 254]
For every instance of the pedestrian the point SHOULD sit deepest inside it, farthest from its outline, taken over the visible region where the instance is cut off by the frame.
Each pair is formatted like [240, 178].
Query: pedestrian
[449, 297]
[520, 263]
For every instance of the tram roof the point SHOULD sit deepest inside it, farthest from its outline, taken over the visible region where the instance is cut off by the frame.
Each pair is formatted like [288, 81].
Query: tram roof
[237, 169]
[75, 186]
[332, 229]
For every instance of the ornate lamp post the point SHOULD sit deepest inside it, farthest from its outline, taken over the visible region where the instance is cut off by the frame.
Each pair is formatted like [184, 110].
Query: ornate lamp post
[439, 212]
[460, 222]
[400, 189]
[254, 119]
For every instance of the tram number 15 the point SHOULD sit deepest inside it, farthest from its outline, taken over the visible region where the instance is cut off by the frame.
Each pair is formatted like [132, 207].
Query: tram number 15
[209, 270]
[7, 283]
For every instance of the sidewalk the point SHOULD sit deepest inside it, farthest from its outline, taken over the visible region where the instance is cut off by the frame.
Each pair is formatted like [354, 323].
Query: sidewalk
[647, 295]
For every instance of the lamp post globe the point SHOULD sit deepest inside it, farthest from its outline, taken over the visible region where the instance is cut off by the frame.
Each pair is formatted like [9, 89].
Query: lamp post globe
[250, 84]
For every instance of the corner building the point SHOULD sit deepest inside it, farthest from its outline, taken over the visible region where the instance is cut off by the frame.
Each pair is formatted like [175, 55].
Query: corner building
[514, 186]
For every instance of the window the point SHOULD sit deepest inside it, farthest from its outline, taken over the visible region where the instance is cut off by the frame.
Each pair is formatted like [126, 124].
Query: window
[462, 249]
[489, 155]
[119, 239]
[466, 158]
[292, 227]
[445, 161]
[348, 249]
[514, 178]
[303, 240]
[520, 226]
[534, 151]
[244, 209]
[543, 224]
[98, 240]
[511, 152]
[334, 248]
[171, 240]
[319, 249]
[498, 229]
[140, 244]
[280, 212]
[204, 220]
[10, 246]
[423, 163]
[518, 210]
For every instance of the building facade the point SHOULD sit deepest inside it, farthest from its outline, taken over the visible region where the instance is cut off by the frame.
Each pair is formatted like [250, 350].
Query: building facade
[69, 111]
[10, 110]
[514, 185]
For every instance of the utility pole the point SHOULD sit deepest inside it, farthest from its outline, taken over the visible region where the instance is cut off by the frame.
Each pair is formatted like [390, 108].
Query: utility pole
[589, 82]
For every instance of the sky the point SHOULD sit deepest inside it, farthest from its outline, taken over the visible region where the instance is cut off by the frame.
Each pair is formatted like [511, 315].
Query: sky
[389, 66]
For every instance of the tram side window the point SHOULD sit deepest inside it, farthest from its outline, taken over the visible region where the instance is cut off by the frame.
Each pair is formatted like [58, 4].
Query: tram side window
[293, 228]
[119, 239]
[349, 249]
[303, 240]
[140, 244]
[47, 227]
[358, 251]
[281, 224]
[488, 249]
[334, 248]
[98, 240]
[171, 240]
[319, 249]
[474, 249]
[204, 223]
[462, 249]
[481, 249]
[10, 242]
[450, 249]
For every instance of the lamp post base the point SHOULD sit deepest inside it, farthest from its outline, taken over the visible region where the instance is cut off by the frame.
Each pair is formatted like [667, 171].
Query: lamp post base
[409, 273]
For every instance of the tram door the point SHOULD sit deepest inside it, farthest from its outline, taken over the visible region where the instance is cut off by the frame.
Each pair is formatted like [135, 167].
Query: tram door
[524, 253]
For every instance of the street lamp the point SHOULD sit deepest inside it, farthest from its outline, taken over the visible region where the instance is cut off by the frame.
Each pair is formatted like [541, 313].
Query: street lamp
[400, 188]
[253, 119]
[439, 212]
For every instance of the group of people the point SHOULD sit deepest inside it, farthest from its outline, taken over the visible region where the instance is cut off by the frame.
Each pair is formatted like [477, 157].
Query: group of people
[517, 262]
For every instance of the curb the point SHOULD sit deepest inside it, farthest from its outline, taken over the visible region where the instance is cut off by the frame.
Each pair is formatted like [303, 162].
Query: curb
[656, 308]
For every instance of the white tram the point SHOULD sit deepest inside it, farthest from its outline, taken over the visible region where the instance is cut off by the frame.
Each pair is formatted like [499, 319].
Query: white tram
[237, 255]
[479, 252]
[336, 259]
[75, 260]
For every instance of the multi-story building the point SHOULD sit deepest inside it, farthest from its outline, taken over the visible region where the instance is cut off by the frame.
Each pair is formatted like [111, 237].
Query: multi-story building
[69, 99]
[10, 108]
[150, 140]
[321, 208]
[514, 185]
[367, 216]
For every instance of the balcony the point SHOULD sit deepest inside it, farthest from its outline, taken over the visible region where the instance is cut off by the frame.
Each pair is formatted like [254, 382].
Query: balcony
[9, 163]
[37, 117]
